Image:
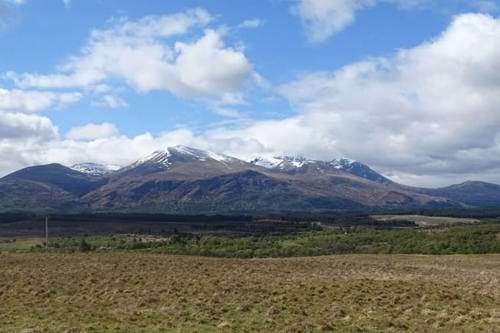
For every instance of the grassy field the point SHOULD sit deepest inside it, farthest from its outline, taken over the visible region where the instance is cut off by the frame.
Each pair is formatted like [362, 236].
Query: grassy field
[19, 245]
[469, 239]
[427, 221]
[134, 292]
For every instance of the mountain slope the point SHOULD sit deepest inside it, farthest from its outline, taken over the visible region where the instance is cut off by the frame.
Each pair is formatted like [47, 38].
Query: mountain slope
[44, 187]
[182, 178]
[472, 193]
[25, 195]
[58, 176]
[359, 169]
[242, 191]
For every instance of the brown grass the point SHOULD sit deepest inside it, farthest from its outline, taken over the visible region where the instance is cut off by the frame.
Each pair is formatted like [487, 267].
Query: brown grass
[126, 292]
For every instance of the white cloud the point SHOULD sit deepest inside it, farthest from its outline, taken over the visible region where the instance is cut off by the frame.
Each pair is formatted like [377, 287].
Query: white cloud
[429, 115]
[251, 24]
[15, 126]
[112, 102]
[430, 110]
[227, 112]
[142, 54]
[67, 3]
[324, 18]
[93, 132]
[33, 101]
[206, 67]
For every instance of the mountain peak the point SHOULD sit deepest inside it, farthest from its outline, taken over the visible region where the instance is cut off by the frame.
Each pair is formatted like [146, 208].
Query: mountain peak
[281, 162]
[359, 169]
[293, 163]
[172, 154]
[198, 153]
[94, 169]
[343, 163]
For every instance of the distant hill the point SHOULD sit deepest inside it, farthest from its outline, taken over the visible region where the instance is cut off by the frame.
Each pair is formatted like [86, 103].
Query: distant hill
[471, 193]
[187, 180]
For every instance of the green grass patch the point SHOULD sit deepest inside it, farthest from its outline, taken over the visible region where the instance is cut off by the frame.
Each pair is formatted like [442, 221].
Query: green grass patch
[470, 239]
[19, 245]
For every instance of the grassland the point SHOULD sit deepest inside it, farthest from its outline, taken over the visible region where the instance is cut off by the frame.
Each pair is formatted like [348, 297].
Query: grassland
[132, 292]
[427, 221]
[19, 245]
[470, 239]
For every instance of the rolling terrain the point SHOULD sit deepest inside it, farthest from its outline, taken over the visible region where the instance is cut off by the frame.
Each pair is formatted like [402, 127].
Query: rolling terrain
[123, 292]
[186, 180]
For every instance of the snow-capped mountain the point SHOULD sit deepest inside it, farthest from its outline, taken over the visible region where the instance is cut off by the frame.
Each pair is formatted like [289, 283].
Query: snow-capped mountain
[291, 163]
[281, 162]
[166, 157]
[185, 180]
[359, 169]
[343, 163]
[95, 169]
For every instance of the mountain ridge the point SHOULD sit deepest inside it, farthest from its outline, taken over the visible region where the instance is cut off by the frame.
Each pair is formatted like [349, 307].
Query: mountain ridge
[184, 179]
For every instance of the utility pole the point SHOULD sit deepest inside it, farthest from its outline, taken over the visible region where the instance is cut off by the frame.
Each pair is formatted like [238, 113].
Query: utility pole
[47, 232]
[47, 220]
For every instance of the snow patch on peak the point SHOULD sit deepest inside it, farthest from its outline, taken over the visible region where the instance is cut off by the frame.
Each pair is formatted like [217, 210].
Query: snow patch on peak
[343, 163]
[200, 154]
[267, 162]
[158, 157]
[95, 169]
[166, 157]
[281, 162]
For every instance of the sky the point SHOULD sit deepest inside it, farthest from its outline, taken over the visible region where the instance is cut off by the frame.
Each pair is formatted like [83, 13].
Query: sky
[409, 87]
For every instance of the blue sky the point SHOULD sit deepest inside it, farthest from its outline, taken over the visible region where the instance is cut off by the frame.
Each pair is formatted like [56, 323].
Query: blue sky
[278, 49]
[109, 81]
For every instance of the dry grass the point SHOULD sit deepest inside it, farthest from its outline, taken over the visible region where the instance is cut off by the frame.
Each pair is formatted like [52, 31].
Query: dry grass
[127, 292]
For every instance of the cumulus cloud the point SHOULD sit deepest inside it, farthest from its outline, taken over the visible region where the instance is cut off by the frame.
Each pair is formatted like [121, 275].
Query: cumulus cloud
[19, 132]
[33, 101]
[92, 132]
[15, 126]
[324, 18]
[142, 54]
[428, 115]
[428, 110]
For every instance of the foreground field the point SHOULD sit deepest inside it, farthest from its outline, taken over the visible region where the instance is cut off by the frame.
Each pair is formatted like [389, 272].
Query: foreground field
[131, 292]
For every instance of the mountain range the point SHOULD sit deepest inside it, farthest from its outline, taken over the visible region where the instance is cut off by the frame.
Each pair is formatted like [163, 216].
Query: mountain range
[187, 180]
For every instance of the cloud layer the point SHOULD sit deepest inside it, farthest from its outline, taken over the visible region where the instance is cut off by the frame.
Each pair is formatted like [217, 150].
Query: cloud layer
[428, 115]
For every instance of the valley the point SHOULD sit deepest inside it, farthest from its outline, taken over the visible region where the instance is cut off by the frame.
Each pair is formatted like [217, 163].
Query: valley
[276, 166]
